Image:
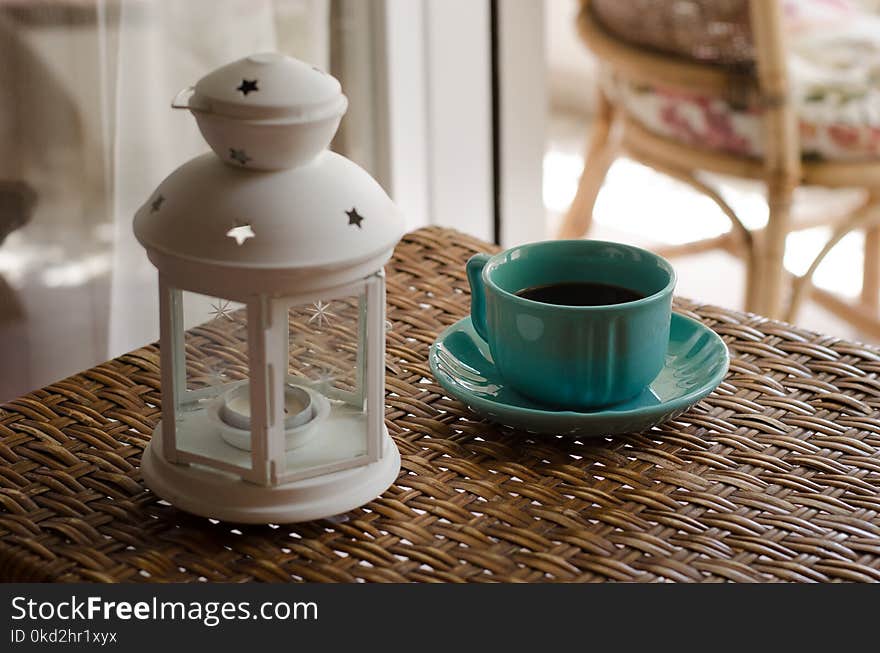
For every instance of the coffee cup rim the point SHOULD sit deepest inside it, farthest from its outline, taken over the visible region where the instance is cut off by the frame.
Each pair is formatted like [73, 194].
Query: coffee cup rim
[497, 258]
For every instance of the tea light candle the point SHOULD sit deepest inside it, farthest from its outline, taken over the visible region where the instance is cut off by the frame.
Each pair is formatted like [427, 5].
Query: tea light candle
[235, 409]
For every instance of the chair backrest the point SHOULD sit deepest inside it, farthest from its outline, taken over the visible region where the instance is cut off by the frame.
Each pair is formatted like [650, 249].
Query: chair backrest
[730, 48]
[782, 156]
[712, 31]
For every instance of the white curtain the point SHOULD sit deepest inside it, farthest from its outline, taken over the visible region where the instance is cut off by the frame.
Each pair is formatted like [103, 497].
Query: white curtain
[86, 132]
[158, 48]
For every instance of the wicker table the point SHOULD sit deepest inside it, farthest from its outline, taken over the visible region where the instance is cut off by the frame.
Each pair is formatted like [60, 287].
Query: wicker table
[776, 476]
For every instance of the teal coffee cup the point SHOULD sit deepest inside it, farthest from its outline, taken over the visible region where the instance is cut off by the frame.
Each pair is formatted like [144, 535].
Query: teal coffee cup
[569, 356]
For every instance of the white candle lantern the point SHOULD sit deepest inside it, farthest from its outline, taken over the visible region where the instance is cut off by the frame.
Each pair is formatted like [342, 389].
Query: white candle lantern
[278, 416]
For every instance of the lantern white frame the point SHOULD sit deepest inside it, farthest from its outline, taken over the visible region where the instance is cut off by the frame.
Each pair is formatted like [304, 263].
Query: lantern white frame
[268, 357]
[319, 228]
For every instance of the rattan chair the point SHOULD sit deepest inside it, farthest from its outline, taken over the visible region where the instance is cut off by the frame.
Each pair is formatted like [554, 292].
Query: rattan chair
[739, 56]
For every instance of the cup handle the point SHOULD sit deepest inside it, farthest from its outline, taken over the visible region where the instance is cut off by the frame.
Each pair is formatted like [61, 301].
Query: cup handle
[474, 269]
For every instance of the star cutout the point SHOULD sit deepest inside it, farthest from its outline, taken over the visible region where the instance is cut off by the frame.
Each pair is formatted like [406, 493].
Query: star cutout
[217, 377]
[239, 155]
[220, 309]
[325, 378]
[247, 86]
[241, 232]
[321, 313]
[354, 218]
[156, 204]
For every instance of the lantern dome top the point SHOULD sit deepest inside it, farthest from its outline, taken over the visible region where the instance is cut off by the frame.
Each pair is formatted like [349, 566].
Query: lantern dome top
[271, 204]
[324, 216]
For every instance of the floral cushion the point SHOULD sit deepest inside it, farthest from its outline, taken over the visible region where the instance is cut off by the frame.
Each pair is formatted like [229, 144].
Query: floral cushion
[834, 65]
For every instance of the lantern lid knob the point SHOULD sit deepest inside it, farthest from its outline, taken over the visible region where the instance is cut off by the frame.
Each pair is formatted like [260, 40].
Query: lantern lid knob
[266, 111]
[266, 86]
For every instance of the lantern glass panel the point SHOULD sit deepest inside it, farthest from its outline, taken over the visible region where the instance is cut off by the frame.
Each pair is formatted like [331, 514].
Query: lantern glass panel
[216, 341]
[327, 354]
[214, 410]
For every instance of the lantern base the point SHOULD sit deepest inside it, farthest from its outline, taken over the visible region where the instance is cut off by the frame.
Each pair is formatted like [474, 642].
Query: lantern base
[219, 495]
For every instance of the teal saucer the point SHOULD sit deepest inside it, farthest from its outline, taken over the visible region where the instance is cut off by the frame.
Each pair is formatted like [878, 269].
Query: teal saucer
[696, 363]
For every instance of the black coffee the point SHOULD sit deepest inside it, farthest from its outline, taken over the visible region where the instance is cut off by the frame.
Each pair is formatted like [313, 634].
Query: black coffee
[580, 293]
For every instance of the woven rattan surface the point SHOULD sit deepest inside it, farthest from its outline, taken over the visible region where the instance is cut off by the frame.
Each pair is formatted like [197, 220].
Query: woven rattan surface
[775, 476]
